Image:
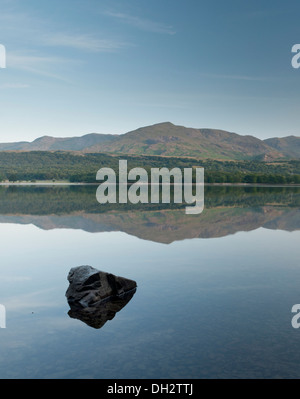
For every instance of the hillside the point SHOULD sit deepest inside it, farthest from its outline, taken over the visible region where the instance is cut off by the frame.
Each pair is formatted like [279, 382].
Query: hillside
[48, 143]
[288, 146]
[166, 139]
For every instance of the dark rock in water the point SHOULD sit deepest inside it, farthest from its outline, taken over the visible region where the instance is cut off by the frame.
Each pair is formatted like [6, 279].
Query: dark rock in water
[97, 316]
[95, 296]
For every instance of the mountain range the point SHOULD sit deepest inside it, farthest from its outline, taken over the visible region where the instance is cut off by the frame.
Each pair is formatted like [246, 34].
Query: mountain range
[153, 225]
[167, 139]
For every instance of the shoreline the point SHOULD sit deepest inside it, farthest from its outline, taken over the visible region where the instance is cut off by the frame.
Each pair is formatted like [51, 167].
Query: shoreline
[47, 183]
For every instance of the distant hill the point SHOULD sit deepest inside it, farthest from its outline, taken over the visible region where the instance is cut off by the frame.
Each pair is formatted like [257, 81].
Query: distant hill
[48, 143]
[166, 139]
[288, 146]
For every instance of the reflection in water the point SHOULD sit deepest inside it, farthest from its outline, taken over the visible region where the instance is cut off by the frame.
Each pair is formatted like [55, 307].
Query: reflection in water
[227, 210]
[213, 308]
[97, 316]
[95, 296]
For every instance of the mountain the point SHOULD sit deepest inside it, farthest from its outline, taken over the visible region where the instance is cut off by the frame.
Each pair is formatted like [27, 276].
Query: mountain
[166, 139]
[288, 146]
[48, 143]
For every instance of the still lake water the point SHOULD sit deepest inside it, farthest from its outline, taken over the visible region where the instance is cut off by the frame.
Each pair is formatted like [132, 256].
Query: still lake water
[214, 294]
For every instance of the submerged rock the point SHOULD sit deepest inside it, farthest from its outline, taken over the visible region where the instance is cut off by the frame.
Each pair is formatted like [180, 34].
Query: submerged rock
[95, 296]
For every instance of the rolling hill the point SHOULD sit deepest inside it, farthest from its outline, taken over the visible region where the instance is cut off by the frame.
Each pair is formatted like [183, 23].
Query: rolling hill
[288, 146]
[167, 139]
[48, 143]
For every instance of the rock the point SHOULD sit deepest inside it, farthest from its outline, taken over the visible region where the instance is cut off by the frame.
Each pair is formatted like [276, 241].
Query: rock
[95, 296]
[97, 316]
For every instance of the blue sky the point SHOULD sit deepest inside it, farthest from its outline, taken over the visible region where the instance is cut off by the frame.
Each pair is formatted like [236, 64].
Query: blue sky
[107, 66]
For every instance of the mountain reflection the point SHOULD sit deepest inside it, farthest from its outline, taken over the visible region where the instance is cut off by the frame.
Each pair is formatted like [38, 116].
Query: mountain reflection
[227, 210]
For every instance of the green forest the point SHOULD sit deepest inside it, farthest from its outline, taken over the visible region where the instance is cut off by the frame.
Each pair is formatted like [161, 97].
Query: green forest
[82, 168]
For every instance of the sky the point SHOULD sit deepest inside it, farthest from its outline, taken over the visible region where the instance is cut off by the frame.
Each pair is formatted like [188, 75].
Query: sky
[75, 67]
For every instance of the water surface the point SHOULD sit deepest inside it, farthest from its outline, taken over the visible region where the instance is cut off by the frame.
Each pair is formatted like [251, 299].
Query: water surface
[214, 294]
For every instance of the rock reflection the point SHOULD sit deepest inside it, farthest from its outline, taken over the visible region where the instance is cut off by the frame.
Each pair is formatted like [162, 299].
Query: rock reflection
[95, 296]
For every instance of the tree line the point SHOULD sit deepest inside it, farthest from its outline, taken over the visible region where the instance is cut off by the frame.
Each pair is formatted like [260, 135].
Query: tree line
[61, 200]
[71, 167]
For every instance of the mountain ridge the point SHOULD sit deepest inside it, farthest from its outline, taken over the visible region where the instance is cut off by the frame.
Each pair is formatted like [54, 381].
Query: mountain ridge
[167, 139]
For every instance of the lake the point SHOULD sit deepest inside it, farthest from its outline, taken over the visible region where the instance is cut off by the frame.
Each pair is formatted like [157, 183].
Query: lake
[214, 290]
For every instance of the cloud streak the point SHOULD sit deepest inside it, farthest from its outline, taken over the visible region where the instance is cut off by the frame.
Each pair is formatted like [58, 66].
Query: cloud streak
[84, 42]
[14, 86]
[142, 23]
[236, 77]
[38, 64]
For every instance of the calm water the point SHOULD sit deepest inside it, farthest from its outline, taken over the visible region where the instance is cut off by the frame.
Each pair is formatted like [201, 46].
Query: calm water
[214, 295]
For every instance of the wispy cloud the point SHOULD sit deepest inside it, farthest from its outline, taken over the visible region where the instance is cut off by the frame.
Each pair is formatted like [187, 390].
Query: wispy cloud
[38, 64]
[14, 86]
[15, 20]
[142, 23]
[24, 25]
[236, 77]
[84, 42]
